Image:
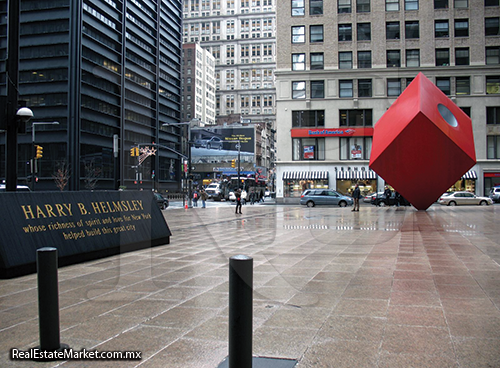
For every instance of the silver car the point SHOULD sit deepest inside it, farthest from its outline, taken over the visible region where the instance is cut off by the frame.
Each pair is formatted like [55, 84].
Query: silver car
[464, 198]
[495, 194]
[313, 197]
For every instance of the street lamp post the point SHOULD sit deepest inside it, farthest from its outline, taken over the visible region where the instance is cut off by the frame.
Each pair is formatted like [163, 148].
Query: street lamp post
[188, 172]
[34, 166]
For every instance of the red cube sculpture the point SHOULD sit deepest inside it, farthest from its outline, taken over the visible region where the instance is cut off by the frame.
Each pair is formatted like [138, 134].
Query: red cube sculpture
[423, 143]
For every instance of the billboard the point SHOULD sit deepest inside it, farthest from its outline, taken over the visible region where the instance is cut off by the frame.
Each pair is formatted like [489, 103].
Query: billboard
[220, 141]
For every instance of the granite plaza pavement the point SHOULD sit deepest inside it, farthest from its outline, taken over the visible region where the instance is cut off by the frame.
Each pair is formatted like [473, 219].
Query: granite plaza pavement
[382, 287]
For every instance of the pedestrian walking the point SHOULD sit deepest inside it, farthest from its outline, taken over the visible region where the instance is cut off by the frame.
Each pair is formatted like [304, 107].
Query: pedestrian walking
[204, 197]
[252, 197]
[237, 194]
[356, 195]
[195, 198]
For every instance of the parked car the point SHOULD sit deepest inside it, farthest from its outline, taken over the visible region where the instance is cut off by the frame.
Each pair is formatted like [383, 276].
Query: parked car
[464, 198]
[212, 143]
[161, 200]
[313, 197]
[495, 194]
[368, 198]
[380, 199]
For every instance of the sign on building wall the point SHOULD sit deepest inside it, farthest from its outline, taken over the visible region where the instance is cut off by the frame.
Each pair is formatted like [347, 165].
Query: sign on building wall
[222, 141]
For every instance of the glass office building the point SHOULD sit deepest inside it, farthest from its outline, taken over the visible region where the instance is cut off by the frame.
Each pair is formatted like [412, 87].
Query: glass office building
[109, 72]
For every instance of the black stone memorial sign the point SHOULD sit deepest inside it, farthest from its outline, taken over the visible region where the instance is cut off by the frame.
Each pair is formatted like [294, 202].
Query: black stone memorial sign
[81, 225]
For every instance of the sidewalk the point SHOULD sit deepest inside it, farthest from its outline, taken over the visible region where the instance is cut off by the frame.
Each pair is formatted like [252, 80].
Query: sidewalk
[383, 287]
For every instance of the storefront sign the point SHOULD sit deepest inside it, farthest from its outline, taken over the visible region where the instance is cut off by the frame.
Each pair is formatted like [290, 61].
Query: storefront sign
[335, 132]
[81, 225]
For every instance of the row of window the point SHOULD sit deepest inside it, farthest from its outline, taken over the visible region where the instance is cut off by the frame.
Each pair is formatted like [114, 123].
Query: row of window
[351, 148]
[393, 30]
[364, 6]
[364, 117]
[347, 118]
[349, 88]
[393, 58]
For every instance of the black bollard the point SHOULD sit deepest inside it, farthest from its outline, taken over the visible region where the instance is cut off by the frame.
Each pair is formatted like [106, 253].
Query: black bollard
[48, 299]
[240, 311]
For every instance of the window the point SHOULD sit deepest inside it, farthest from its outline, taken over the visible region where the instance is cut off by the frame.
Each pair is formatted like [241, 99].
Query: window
[463, 85]
[492, 85]
[411, 4]
[444, 84]
[460, 4]
[364, 32]
[493, 146]
[362, 6]
[466, 110]
[462, 56]
[298, 34]
[344, 6]
[308, 149]
[491, 2]
[364, 59]
[354, 118]
[393, 58]
[355, 148]
[345, 88]
[441, 29]
[461, 28]
[493, 55]
[345, 32]
[392, 31]
[345, 60]
[308, 119]
[298, 90]
[298, 8]
[298, 61]
[493, 115]
[393, 86]
[440, 4]
[315, 7]
[412, 58]
[412, 29]
[442, 57]
[364, 88]
[492, 26]
[317, 61]
[318, 89]
[316, 33]
[391, 5]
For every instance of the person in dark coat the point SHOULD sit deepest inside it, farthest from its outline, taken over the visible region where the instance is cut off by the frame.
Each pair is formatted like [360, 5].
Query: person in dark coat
[356, 195]
[237, 194]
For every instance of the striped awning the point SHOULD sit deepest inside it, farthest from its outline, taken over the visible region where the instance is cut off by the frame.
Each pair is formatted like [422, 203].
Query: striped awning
[471, 174]
[356, 175]
[305, 175]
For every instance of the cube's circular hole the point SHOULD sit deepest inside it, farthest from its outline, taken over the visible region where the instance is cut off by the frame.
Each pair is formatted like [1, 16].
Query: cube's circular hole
[447, 115]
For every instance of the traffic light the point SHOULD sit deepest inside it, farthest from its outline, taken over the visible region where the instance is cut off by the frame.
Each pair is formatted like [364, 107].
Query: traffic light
[233, 163]
[134, 151]
[39, 151]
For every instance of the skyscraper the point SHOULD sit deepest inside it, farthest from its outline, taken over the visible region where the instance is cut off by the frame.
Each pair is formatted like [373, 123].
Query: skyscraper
[108, 71]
